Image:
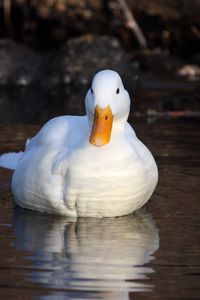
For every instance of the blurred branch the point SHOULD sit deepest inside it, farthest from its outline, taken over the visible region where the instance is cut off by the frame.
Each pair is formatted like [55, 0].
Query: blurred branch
[7, 14]
[132, 23]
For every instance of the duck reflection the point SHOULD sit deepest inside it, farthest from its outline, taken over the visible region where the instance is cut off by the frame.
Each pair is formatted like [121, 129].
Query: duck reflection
[105, 256]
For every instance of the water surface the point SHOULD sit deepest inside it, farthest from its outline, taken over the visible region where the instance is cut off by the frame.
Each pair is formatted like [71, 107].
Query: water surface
[153, 254]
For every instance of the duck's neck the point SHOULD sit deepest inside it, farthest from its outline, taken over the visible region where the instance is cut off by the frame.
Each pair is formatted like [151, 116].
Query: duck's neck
[119, 125]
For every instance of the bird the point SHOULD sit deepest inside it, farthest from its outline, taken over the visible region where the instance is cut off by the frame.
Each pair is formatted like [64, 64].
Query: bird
[86, 166]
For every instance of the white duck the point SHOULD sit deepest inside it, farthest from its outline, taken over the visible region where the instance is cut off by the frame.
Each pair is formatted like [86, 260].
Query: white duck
[88, 166]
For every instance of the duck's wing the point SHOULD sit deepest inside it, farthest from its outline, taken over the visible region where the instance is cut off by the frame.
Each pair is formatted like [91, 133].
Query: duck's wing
[64, 130]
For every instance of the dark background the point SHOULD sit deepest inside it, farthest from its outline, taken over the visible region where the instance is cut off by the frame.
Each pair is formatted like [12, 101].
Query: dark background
[49, 52]
[51, 49]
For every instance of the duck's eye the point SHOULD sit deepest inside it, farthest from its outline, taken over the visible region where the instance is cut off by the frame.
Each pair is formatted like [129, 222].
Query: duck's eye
[92, 91]
[117, 91]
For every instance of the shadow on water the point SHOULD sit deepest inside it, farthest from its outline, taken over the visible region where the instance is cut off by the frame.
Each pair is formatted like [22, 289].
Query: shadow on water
[105, 258]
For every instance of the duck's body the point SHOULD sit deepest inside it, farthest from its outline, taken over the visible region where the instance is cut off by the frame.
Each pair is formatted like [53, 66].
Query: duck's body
[63, 172]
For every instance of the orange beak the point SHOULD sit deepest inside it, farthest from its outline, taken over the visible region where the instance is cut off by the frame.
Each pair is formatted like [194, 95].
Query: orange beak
[102, 126]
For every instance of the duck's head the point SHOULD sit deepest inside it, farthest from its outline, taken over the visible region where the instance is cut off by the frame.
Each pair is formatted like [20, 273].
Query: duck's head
[107, 106]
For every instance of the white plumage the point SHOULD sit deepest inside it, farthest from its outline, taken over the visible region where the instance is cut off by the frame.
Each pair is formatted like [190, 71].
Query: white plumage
[71, 168]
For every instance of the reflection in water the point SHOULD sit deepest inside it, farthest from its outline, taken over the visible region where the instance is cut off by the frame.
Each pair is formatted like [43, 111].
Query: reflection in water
[104, 257]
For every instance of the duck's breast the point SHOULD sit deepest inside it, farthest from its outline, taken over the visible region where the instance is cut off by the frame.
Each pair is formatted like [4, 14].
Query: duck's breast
[111, 180]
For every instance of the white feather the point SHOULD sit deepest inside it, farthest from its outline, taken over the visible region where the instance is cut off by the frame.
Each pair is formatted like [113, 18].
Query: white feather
[10, 160]
[62, 173]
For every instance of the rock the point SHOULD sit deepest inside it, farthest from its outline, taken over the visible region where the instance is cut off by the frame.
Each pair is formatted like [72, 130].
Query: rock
[74, 63]
[192, 72]
[79, 59]
[18, 64]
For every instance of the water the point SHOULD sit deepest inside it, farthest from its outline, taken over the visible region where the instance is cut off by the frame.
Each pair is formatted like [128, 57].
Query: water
[153, 254]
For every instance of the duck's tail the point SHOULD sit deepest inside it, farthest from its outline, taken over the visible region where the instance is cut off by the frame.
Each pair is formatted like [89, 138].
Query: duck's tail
[10, 160]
